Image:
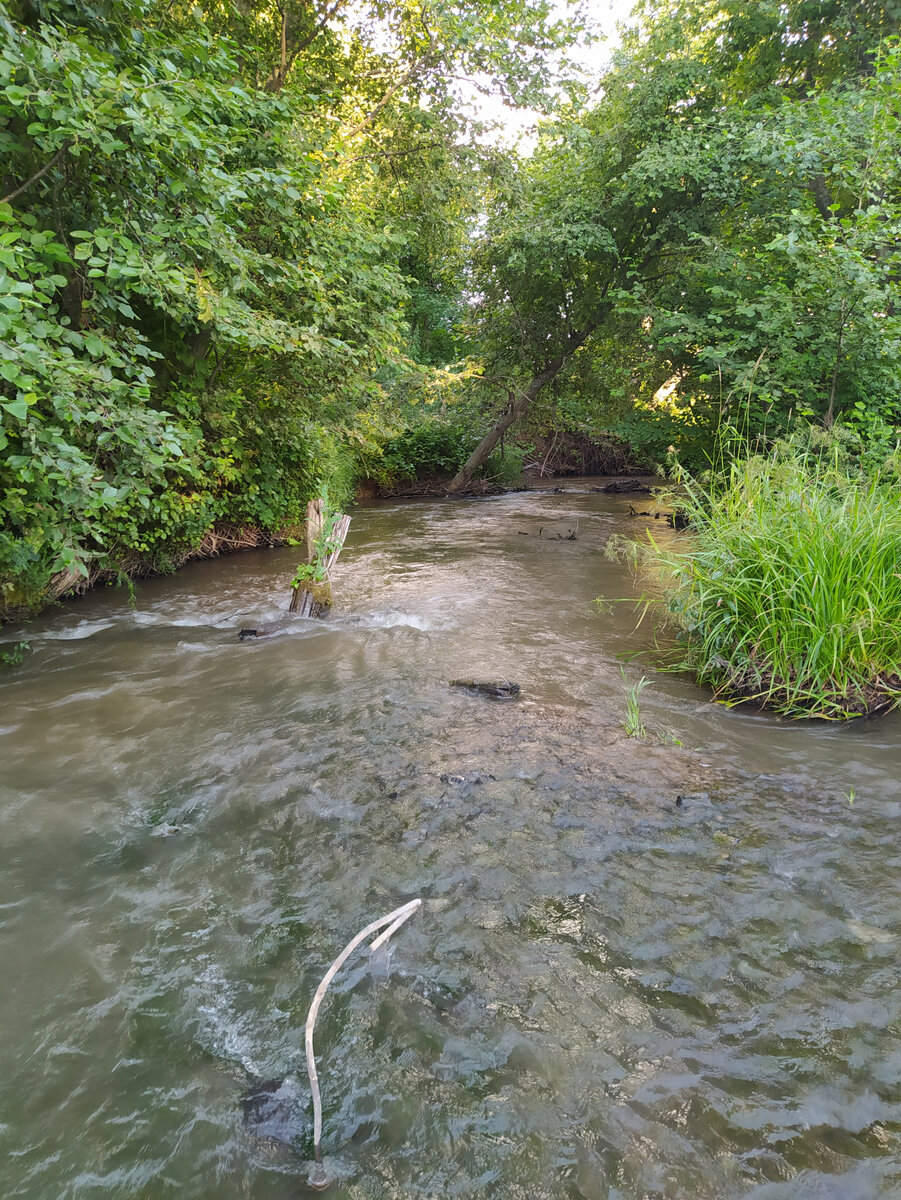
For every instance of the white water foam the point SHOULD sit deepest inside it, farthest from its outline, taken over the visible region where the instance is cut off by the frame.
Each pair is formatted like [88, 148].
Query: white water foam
[74, 633]
[220, 1029]
[394, 619]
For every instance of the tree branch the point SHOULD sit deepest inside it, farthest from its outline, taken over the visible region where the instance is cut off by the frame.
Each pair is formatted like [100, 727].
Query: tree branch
[287, 57]
[393, 153]
[39, 174]
[517, 405]
[326, 17]
[821, 196]
[367, 120]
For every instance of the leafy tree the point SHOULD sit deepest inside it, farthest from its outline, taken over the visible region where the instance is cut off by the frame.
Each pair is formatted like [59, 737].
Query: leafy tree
[162, 226]
[203, 274]
[722, 222]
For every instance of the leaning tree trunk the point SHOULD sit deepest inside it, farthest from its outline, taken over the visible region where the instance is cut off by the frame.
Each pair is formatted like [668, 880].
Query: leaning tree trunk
[515, 409]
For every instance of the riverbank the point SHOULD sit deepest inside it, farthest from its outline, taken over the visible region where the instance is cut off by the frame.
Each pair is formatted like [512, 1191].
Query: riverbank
[229, 538]
[223, 538]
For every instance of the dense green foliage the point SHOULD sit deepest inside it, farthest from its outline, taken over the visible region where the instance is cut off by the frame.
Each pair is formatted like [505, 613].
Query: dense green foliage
[200, 278]
[248, 246]
[183, 235]
[720, 229]
[788, 590]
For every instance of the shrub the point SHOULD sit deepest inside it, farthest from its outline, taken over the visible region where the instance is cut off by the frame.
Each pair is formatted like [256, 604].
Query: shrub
[433, 447]
[788, 591]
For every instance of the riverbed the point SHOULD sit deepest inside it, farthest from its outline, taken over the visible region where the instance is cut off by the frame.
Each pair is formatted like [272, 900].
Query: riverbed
[643, 968]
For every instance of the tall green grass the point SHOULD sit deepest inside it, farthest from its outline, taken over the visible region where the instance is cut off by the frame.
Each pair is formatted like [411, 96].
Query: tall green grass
[787, 591]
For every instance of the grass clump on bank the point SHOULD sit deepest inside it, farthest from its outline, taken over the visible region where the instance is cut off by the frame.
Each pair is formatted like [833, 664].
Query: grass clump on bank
[788, 591]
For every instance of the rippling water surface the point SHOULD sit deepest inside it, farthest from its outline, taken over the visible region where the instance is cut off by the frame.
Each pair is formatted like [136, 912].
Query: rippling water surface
[607, 994]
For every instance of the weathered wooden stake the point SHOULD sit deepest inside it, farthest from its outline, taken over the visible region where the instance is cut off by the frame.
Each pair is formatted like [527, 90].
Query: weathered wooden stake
[314, 598]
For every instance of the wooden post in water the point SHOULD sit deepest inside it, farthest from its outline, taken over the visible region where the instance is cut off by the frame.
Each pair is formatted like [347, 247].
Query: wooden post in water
[312, 597]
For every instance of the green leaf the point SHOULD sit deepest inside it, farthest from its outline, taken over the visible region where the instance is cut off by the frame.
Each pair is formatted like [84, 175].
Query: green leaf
[16, 408]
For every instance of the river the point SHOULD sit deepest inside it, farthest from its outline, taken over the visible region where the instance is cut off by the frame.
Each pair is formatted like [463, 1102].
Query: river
[642, 969]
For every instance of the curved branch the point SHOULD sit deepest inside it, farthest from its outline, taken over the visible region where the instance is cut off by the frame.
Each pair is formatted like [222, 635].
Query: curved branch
[393, 920]
[39, 174]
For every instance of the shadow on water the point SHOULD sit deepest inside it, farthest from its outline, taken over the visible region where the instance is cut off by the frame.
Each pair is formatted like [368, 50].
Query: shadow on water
[609, 994]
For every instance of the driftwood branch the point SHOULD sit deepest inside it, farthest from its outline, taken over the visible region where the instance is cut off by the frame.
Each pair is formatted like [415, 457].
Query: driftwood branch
[393, 920]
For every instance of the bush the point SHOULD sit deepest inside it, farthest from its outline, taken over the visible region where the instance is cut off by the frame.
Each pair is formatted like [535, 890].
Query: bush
[789, 590]
[653, 436]
[434, 447]
[172, 229]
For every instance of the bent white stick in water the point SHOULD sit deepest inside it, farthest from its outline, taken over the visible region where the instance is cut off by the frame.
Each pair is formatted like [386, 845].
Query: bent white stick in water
[393, 920]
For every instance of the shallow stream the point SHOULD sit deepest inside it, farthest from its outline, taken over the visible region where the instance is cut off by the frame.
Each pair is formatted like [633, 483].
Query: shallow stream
[610, 992]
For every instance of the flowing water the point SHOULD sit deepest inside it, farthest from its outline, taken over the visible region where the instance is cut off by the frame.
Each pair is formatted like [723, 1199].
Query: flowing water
[609, 992]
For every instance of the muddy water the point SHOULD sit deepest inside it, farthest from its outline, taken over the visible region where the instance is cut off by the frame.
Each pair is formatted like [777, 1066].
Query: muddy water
[608, 994]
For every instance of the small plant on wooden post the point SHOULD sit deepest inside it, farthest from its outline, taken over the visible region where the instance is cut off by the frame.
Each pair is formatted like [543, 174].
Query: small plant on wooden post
[311, 589]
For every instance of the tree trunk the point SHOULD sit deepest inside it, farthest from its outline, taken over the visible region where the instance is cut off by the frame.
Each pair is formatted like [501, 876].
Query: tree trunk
[829, 418]
[516, 407]
[817, 185]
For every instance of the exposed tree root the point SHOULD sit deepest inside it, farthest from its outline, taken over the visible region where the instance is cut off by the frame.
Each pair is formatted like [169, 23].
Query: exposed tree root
[221, 539]
[758, 686]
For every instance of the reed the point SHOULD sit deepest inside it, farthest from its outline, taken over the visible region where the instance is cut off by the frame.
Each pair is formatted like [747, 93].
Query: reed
[633, 724]
[787, 592]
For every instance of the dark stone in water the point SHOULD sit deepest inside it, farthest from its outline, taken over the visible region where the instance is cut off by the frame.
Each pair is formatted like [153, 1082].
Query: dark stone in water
[628, 486]
[495, 690]
[245, 635]
[273, 1113]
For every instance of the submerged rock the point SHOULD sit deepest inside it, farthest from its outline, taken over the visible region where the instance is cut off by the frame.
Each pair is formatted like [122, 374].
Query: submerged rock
[633, 487]
[495, 689]
[273, 1113]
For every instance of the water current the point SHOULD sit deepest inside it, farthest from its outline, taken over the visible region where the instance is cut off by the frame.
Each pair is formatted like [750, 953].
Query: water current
[610, 993]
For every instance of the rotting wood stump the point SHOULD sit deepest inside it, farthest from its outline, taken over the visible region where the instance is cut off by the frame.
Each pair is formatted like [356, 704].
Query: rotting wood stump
[311, 593]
